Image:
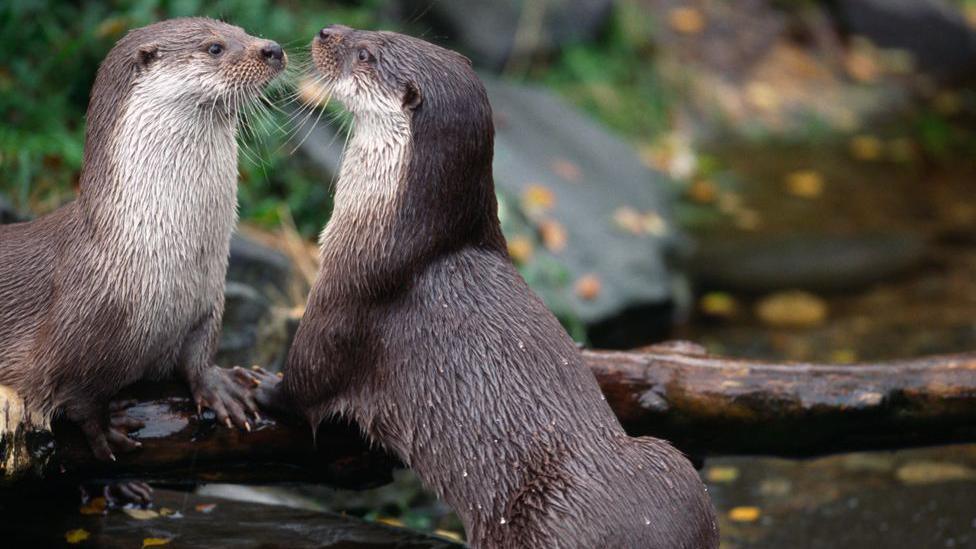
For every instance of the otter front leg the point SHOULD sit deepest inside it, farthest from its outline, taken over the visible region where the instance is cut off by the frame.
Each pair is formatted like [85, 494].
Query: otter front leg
[104, 435]
[212, 386]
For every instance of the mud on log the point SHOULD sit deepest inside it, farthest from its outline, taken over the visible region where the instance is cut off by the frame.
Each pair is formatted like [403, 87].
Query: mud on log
[704, 404]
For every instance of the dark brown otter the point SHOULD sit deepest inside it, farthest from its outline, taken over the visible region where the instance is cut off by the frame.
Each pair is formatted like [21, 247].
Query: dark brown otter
[421, 330]
[127, 281]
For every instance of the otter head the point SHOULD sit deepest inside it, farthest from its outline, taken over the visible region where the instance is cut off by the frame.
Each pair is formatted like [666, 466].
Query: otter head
[405, 91]
[189, 75]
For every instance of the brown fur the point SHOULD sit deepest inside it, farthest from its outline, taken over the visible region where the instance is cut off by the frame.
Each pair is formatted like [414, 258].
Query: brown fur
[127, 281]
[420, 329]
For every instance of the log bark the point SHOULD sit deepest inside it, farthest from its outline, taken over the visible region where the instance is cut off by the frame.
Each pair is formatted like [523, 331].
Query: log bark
[705, 405]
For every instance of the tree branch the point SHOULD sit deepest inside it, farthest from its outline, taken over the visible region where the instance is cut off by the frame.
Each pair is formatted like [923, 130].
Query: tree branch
[705, 405]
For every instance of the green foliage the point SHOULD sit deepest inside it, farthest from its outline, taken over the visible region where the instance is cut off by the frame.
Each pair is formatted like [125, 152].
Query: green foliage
[51, 52]
[616, 79]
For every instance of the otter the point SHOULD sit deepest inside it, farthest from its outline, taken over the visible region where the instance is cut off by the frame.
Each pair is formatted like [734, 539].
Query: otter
[420, 329]
[127, 281]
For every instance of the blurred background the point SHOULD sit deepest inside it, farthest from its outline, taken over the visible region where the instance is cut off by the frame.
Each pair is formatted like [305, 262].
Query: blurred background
[776, 179]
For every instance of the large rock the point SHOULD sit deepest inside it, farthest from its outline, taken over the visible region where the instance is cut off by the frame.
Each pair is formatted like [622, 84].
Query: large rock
[815, 262]
[599, 212]
[492, 32]
[933, 31]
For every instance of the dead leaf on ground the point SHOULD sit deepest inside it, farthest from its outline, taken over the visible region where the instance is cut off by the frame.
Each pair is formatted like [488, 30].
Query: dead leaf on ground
[805, 183]
[205, 507]
[155, 542]
[140, 514]
[795, 308]
[95, 506]
[686, 20]
[76, 536]
[588, 287]
[745, 514]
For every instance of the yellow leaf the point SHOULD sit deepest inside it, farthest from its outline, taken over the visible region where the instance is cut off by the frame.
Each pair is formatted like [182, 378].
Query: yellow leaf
[520, 249]
[553, 235]
[96, 506]
[76, 536]
[866, 147]
[722, 474]
[805, 183]
[792, 309]
[449, 535]
[686, 20]
[744, 514]
[390, 521]
[155, 542]
[140, 514]
[537, 198]
[718, 304]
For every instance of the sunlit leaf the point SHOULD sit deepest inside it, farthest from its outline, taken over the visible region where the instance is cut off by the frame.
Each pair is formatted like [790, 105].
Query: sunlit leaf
[76, 536]
[155, 542]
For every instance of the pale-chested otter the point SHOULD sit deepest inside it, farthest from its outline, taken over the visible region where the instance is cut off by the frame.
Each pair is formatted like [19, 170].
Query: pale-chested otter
[421, 330]
[127, 281]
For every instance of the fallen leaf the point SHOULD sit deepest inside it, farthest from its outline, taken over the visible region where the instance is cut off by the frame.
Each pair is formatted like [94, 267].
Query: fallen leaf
[567, 169]
[747, 219]
[449, 535]
[155, 542]
[520, 249]
[931, 472]
[140, 514]
[76, 536]
[390, 521]
[702, 191]
[537, 198]
[95, 506]
[588, 287]
[166, 511]
[866, 147]
[744, 514]
[718, 304]
[843, 356]
[796, 309]
[652, 223]
[805, 183]
[686, 20]
[553, 235]
[722, 474]
[628, 219]
[205, 507]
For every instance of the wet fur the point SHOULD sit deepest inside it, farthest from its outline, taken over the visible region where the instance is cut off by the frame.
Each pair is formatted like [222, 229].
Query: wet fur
[127, 281]
[420, 329]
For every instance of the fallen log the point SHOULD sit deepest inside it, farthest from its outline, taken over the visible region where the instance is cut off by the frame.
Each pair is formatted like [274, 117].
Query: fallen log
[706, 405]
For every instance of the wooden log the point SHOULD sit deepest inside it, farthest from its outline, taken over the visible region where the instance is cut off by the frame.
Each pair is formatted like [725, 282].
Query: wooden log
[705, 405]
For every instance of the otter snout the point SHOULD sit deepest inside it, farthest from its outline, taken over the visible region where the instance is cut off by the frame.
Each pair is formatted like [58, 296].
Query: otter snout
[273, 55]
[333, 31]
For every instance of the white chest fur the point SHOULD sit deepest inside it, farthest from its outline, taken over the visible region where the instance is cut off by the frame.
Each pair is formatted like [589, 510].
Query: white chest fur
[173, 208]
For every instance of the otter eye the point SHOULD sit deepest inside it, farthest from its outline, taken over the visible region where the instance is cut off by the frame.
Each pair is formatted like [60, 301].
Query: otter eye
[215, 49]
[364, 55]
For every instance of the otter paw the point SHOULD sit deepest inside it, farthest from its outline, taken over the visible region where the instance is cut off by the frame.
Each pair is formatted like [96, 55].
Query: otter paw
[104, 441]
[219, 390]
[263, 385]
[120, 494]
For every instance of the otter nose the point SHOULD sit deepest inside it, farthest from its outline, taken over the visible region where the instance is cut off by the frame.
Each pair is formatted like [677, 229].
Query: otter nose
[272, 51]
[332, 30]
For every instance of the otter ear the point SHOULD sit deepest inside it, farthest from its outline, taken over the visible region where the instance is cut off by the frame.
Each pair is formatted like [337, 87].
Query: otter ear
[146, 54]
[411, 97]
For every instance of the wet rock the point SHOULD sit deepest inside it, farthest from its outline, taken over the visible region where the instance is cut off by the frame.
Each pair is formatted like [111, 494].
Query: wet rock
[814, 262]
[490, 31]
[258, 266]
[936, 33]
[193, 521]
[598, 213]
